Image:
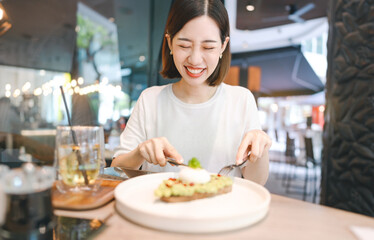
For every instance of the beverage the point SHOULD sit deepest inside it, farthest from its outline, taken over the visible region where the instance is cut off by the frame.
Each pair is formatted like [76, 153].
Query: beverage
[79, 157]
[71, 171]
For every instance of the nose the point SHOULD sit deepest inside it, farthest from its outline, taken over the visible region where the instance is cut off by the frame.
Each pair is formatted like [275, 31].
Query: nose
[195, 57]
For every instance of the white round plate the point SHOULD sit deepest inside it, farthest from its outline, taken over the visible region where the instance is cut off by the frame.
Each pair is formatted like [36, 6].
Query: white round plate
[246, 204]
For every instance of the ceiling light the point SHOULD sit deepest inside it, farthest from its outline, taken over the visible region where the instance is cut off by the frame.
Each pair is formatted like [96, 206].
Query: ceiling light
[5, 24]
[26, 87]
[321, 108]
[16, 93]
[274, 107]
[77, 89]
[80, 80]
[126, 72]
[38, 91]
[105, 81]
[250, 8]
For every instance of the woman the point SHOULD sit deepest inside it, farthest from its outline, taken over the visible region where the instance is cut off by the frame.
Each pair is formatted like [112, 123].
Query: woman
[198, 116]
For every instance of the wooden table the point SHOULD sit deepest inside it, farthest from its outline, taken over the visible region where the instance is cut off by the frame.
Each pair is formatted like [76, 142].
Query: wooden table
[287, 219]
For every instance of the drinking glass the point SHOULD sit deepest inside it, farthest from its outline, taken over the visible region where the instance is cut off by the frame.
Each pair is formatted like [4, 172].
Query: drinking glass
[79, 157]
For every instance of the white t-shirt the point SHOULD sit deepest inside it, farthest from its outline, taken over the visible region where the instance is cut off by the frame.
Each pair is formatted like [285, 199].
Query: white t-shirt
[210, 131]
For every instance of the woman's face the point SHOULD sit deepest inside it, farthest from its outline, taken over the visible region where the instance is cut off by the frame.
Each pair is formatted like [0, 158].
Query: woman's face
[196, 49]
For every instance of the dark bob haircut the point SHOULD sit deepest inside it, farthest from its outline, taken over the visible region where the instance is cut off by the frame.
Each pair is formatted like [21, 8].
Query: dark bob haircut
[182, 12]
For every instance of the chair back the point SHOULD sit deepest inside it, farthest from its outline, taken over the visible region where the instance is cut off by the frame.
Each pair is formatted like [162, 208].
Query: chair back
[276, 135]
[290, 146]
[309, 150]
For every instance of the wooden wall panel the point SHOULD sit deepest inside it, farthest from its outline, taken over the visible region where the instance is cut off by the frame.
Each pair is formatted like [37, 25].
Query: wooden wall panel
[254, 78]
[233, 75]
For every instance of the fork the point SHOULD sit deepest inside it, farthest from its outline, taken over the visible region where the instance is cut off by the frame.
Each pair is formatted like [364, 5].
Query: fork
[227, 169]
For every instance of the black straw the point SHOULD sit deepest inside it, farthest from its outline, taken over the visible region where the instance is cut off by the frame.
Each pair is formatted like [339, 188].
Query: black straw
[74, 137]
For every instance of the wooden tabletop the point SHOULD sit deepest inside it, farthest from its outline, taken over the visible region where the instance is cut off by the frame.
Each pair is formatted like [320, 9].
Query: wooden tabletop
[287, 219]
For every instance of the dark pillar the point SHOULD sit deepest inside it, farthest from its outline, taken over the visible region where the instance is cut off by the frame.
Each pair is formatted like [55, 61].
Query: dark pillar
[348, 154]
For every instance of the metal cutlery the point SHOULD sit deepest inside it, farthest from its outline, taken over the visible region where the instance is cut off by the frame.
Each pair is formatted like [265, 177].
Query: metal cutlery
[227, 169]
[130, 173]
[172, 161]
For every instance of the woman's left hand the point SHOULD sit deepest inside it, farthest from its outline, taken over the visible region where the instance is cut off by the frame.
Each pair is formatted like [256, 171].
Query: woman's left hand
[255, 141]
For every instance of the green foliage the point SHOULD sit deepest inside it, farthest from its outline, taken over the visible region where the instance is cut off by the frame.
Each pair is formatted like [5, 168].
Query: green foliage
[90, 31]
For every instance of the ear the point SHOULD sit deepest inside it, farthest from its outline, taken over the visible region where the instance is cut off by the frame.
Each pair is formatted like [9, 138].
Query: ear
[167, 36]
[224, 44]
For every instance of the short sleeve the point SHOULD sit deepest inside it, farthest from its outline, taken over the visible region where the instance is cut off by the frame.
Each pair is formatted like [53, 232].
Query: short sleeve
[134, 133]
[252, 116]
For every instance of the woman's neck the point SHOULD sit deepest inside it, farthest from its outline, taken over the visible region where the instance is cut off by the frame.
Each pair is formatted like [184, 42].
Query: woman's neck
[193, 94]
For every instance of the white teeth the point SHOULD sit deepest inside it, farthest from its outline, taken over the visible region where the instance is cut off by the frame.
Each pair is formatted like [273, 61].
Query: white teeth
[193, 71]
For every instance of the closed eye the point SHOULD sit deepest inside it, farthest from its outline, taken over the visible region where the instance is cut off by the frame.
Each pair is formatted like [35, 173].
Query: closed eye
[184, 46]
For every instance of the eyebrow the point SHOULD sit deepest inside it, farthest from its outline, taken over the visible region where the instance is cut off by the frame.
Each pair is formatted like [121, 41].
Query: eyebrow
[205, 41]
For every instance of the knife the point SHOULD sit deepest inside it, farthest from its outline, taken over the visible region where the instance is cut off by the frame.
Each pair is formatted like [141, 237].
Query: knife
[113, 177]
[172, 161]
[131, 172]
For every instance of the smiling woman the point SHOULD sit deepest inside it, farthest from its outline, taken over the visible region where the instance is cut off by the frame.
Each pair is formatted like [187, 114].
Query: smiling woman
[215, 14]
[198, 116]
[197, 49]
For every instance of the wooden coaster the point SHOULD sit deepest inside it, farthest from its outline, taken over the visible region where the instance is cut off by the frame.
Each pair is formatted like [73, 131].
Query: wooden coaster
[84, 200]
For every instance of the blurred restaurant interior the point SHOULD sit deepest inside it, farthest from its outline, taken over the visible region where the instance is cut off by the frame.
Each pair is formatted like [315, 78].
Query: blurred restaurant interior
[106, 52]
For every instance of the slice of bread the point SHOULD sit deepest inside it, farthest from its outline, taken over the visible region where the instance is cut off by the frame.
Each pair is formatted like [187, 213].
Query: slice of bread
[178, 190]
[195, 196]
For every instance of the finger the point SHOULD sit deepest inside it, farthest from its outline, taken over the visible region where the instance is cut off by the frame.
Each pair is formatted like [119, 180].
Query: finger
[159, 153]
[244, 148]
[269, 143]
[267, 146]
[246, 153]
[170, 151]
[255, 151]
[151, 153]
[144, 154]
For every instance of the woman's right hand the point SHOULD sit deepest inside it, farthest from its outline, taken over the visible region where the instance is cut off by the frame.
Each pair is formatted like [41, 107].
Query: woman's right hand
[156, 150]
